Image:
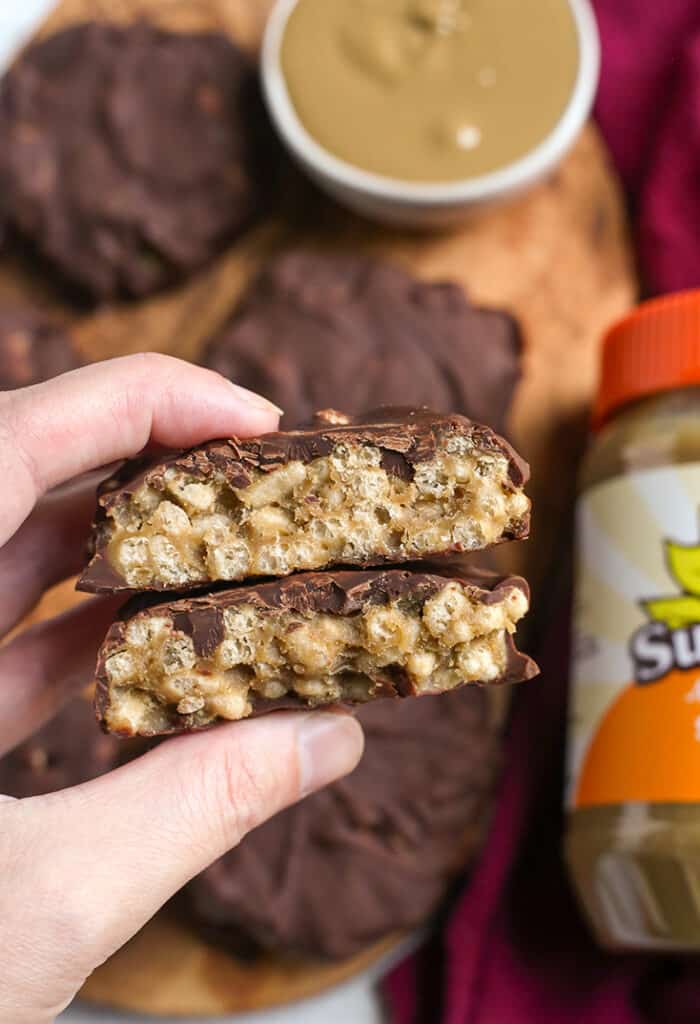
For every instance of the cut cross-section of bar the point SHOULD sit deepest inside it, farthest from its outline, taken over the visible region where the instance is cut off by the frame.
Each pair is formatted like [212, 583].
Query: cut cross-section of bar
[305, 641]
[390, 486]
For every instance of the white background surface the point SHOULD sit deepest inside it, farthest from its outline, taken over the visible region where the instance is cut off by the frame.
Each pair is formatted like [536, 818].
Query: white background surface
[17, 19]
[354, 1003]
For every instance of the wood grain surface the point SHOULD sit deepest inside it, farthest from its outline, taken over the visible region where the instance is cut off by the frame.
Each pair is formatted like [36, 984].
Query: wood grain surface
[167, 970]
[558, 258]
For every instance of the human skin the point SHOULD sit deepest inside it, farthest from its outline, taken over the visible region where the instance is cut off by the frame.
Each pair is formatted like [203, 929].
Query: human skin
[81, 870]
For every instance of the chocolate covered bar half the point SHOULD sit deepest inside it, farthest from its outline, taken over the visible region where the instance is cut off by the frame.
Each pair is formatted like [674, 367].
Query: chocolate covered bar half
[393, 485]
[306, 641]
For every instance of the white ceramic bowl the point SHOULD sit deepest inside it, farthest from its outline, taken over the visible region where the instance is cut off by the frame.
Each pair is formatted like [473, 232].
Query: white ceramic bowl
[393, 201]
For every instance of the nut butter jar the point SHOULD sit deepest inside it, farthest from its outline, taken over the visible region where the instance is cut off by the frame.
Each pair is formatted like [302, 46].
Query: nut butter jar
[633, 750]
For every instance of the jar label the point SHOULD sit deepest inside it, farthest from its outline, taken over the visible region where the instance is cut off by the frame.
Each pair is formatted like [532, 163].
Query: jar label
[634, 712]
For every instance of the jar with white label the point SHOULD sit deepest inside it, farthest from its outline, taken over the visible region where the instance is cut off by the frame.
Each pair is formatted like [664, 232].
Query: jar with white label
[633, 747]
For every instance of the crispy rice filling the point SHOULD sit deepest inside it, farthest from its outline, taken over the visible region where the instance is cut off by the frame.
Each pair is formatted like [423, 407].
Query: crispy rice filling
[344, 508]
[156, 681]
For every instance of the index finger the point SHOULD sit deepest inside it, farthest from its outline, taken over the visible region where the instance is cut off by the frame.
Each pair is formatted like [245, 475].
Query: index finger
[52, 432]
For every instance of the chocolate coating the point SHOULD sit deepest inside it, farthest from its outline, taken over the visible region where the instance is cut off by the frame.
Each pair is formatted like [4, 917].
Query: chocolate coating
[130, 154]
[322, 328]
[373, 852]
[203, 623]
[32, 349]
[404, 436]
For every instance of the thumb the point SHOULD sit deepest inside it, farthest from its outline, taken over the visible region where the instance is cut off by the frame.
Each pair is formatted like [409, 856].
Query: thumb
[106, 855]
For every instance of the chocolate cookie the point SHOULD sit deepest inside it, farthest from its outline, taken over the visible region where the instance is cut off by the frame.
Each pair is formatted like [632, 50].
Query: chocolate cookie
[322, 329]
[130, 155]
[66, 751]
[32, 349]
[372, 853]
[305, 641]
[390, 485]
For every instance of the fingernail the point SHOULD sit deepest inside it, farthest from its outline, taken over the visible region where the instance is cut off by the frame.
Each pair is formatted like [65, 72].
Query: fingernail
[255, 400]
[329, 746]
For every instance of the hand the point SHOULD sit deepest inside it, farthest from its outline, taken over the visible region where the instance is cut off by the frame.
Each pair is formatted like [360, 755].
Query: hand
[81, 870]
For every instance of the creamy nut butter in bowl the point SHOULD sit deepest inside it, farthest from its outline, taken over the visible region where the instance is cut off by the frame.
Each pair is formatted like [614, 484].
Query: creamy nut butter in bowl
[413, 111]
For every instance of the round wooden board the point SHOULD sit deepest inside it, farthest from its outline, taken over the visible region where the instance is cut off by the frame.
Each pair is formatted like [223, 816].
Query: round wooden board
[167, 970]
[558, 258]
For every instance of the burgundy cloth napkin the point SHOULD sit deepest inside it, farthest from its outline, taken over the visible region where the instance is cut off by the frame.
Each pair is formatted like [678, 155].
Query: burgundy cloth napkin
[515, 949]
[649, 111]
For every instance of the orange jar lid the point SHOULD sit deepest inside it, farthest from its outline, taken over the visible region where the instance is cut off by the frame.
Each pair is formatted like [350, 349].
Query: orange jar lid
[655, 348]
